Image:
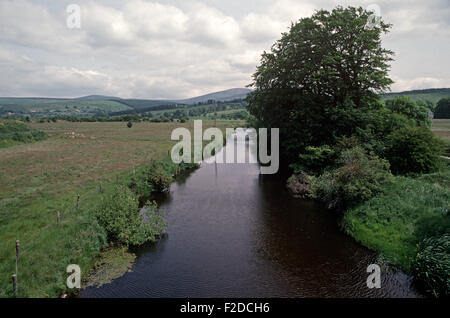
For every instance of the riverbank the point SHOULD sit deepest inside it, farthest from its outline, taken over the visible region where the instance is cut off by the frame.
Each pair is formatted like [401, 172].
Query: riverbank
[406, 221]
[44, 178]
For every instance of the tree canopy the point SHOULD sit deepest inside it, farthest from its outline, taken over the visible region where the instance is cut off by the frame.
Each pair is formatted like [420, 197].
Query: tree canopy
[321, 78]
[442, 110]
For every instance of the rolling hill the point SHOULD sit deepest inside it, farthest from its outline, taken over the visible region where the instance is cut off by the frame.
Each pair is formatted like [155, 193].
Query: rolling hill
[99, 105]
[432, 94]
[227, 95]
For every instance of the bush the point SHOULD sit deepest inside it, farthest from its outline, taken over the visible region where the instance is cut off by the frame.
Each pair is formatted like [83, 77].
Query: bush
[413, 150]
[432, 265]
[406, 106]
[358, 178]
[15, 131]
[156, 177]
[314, 159]
[299, 185]
[120, 216]
[129, 124]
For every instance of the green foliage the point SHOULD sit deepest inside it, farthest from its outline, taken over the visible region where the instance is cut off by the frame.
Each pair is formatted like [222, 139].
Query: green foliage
[413, 150]
[398, 218]
[306, 85]
[299, 185]
[358, 178]
[15, 131]
[156, 177]
[432, 264]
[442, 110]
[314, 159]
[129, 124]
[119, 214]
[418, 111]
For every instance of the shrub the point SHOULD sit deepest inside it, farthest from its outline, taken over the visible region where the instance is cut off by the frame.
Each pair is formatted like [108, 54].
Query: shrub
[15, 131]
[314, 159]
[129, 124]
[119, 214]
[358, 178]
[300, 185]
[413, 150]
[406, 106]
[156, 177]
[432, 264]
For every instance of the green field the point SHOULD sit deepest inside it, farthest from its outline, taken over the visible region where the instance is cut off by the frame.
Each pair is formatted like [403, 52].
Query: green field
[441, 127]
[39, 179]
[37, 107]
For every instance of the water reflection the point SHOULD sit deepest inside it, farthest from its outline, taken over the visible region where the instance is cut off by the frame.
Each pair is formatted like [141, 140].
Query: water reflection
[235, 233]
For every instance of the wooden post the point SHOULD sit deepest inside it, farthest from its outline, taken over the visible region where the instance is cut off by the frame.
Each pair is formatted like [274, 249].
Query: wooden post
[78, 201]
[58, 218]
[101, 189]
[14, 279]
[117, 179]
[134, 171]
[17, 255]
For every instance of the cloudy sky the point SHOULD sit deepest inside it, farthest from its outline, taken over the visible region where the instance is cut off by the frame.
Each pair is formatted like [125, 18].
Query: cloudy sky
[184, 48]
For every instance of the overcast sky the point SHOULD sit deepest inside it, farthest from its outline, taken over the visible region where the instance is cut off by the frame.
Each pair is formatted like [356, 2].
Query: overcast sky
[183, 48]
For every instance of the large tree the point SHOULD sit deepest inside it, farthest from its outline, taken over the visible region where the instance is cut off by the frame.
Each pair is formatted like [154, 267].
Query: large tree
[443, 109]
[321, 79]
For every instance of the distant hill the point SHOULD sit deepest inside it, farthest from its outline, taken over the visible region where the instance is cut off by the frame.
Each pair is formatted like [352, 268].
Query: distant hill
[432, 94]
[98, 105]
[98, 97]
[222, 96]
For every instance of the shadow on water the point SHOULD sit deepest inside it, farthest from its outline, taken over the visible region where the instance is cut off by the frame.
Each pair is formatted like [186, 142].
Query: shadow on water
[235, 233]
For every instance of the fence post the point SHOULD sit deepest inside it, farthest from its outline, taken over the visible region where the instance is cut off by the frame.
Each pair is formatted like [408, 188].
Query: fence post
[78, 201]
[14, 279]
[101, 189]
[58, 218]
[17, 255]
[117, 179]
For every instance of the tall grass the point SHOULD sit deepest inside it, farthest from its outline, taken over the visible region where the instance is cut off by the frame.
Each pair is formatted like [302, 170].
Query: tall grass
[407, 210]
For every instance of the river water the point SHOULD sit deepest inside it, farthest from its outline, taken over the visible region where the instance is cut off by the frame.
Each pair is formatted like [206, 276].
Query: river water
[235, 233]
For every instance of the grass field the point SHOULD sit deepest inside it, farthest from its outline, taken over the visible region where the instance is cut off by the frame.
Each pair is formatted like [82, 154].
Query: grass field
[441, 127]
[37, 180]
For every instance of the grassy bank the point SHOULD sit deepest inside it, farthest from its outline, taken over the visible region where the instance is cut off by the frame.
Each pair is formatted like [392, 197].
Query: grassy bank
[42, 178]
[403, 220]
[394, 222]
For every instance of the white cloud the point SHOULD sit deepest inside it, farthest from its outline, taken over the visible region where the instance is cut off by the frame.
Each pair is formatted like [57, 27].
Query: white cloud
[152, 49]
[402, 84]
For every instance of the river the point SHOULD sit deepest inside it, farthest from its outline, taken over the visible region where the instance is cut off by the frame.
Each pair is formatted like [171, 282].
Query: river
[235, 233]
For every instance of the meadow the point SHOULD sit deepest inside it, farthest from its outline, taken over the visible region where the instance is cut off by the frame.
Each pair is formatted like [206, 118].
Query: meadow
[38, 180]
